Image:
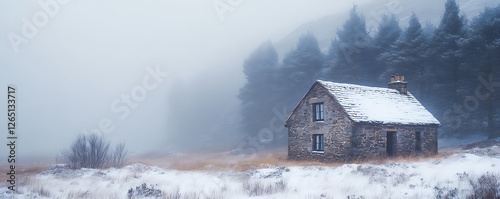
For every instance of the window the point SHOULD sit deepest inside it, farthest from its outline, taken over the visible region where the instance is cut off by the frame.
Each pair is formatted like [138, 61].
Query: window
[318, 112]
[318, 144]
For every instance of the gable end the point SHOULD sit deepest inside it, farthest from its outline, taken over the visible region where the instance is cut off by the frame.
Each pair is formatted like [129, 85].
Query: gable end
[328, 96]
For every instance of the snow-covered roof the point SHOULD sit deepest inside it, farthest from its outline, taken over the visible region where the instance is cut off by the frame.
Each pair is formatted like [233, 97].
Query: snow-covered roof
[379, 105]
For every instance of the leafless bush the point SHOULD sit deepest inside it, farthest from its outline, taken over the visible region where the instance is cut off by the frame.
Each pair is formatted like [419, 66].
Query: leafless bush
[257, 188]
[486, 186]
[119, 155]
[173, 195]
[93, 151]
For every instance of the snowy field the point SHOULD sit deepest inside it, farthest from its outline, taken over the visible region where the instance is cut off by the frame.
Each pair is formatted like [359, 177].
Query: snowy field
[448, 174]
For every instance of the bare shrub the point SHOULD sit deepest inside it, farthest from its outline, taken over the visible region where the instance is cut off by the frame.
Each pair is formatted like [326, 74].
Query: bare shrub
[41, 191]
[93, 151]
[119, 155]
[280, 186]
[486, 186]
[98, 149]
[173, 195]
[445, 193]
[375, 174]
[401, 178]
[194, 195]
[145, 191]
[258, 188]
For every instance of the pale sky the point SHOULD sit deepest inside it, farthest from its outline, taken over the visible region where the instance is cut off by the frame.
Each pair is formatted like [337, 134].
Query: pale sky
[76, 59]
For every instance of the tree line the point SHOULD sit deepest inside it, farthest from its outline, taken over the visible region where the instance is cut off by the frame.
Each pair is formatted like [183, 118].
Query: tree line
[452, 69]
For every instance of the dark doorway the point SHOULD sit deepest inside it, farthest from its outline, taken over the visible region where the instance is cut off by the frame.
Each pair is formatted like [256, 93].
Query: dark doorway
[418, 142]
[391, 143]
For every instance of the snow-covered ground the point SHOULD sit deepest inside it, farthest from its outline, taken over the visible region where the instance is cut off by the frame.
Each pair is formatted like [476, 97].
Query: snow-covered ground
[448, 173]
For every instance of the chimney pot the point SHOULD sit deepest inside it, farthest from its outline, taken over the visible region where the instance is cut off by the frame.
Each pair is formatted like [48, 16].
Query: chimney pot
[398, 83]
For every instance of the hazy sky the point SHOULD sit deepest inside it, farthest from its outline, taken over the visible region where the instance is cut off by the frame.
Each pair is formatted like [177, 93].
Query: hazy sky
[73, 60]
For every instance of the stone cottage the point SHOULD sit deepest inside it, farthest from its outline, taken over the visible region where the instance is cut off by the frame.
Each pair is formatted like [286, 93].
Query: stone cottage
[338, 122]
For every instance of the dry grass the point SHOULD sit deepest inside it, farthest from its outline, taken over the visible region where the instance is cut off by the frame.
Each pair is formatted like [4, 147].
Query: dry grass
[211, 161]
[23, 170]
[220, 161]
[414, 158]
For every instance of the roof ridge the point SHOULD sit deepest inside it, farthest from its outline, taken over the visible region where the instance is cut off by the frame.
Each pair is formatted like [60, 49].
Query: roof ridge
[353, 85]
[378, 105]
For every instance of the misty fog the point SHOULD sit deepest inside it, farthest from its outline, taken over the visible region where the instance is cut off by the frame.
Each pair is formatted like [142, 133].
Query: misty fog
[89, 54]
[160, 75]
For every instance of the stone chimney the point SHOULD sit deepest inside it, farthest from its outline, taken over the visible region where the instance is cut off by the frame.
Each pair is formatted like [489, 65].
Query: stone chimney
[398, 83]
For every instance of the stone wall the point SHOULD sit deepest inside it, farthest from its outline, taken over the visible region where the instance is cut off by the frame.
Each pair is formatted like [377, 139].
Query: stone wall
[336, 129]
[429, 139]
[369, 140]
[344, 139]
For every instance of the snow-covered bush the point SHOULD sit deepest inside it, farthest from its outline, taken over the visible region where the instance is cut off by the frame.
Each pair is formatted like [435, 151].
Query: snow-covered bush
[445, 193]
[145, 191]
[486, 186]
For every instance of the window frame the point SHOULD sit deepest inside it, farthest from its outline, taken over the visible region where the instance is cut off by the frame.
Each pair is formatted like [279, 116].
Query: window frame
[318, 117]
[318, 143]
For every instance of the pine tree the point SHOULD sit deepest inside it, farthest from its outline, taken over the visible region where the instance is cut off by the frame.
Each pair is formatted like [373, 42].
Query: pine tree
[388, 32]
[406, 56]
[330, 61]
[445, 55]
[351, 49]
[428, 29]
[384, 40]
[306, 60]
[257, 95]
[446, 47]
[484, 58]
[301, 67]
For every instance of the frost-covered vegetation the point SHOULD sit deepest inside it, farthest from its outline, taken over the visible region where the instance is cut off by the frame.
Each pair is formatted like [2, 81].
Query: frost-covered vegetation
[470, 173]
